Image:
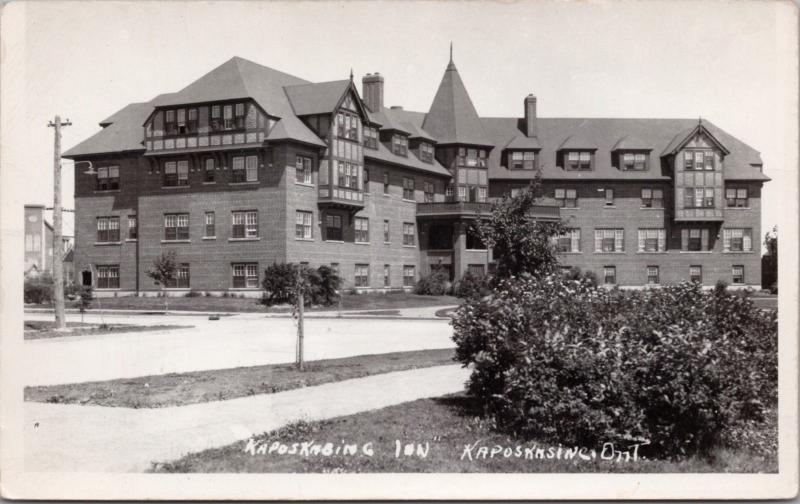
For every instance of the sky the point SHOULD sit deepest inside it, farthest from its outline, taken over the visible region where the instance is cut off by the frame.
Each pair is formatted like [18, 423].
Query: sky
[732, 62]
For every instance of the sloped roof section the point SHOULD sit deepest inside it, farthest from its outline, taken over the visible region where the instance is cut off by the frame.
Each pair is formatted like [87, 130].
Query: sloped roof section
[321, 98]
[122, 132]
[452, 117]
[524, 142]
[685, 136]
[410, 161]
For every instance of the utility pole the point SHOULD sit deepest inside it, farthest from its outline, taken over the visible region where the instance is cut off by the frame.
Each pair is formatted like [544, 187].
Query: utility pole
[58, 250]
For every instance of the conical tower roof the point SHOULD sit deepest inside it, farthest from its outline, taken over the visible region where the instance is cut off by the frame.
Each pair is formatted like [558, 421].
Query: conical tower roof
[452, 117]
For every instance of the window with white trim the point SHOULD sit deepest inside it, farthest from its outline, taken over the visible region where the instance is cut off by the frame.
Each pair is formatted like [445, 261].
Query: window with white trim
[409, 276]
[428, 192]
[133, 227]
[652, 198]
[176, 173]
[333, 227]
[696, 273]
[522, 160]
[245, 275]
[362, 229]
[737, 274]
[303, 170]
[698, 197]
[245, 169]
[108, 276]
[244, 224]
[695, 239]
[569, 241]
[408, 188]
[107, 178]
[737, 239]
[208, 173]
[409, 233]
[634, 161]
[608, 195]
[578, 161]
[107, 229]
[736, 197]
[653, 277]
[181, 278]
[176, 226]
[362, 275]
[609, 275]
[210, 225]
[567, 198]
[652, 240]
[697, 160]
[609, 240]
[303, 225]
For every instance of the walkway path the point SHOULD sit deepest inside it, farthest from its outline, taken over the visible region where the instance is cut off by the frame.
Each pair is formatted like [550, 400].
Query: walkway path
[72, 438]
[241, 340]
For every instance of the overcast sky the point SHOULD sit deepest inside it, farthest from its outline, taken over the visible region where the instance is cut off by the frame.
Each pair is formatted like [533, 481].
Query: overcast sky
[730, 62]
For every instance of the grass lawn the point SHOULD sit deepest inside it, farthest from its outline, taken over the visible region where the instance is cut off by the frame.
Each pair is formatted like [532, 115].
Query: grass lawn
[44, 329]
[370, 301]
[445, 425]
[202, 386]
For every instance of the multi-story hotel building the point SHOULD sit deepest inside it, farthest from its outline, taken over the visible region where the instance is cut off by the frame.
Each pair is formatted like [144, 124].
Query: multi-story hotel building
[248, 166]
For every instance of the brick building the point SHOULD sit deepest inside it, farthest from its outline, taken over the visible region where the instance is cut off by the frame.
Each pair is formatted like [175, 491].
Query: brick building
[248, 166]
[39, 245]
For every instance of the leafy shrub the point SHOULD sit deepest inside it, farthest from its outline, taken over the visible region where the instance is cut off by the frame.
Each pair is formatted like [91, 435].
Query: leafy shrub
[567, 362]
[72, 291]
[85, 300]
[436, 283]
[39, 289]
[575, 273]
[280, 284]
[471, 285]
[192, 293]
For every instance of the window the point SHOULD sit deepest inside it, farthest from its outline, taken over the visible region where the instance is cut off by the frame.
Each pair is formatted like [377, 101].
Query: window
[737, 240]
[471, 157]
[610, 275]
[386, 236]
[245, 224]
[482, 194]
[209, 175]
[652, 198]
[239, 116]
[448, 192]
[333, 227]
[107, 229]
[579, 161]
[567, 198]
[408, 188]
[522, 160]
[698, 197]
[362, 230]
[609, 197]
[176, 173]
[570, 241]
[400, 145]
[695, 240]
[169, 123]
[302, 228]
[387, 275]
[227, 115]
[245, 275]
[348, 175]
[303, 170]
[108, 277]
[408, 233]
[409, 276]
[176, 226]
[474, 241]
[245, 169]
[181, 121]
[698, 160]
[133, 228]
[107, 178]
[477, 270]
[652, 275]
[634, 162]
[362, 275]
[426, 152]
[181, 279]
[696, 274]
[736, 197]
[210, 226]
[428, 188]
[609, 240]
[371, 138]
[191, 125]
[652, 240]
[216, 120]
[365, 173]
[385, 182]
[347, 126]
[737, 274]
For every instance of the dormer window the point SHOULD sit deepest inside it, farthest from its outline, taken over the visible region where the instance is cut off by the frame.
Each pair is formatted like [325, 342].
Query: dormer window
[400, 145]
[371, 137]
[522, 160]
[697, 160]
[634, 161]
[426, 152]
[347, 126]
[578, 161]
[472, 157]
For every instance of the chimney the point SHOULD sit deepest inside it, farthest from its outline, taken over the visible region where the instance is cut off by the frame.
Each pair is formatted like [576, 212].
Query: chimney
[530, 116]
[372, 91]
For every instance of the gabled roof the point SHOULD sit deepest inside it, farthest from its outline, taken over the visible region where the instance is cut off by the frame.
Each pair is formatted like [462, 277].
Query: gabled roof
[410, 161]
[452, 118]
[122, 132]
[417, 132]
[316, 98]
[632, 142]
[681, 139]
[523, 142]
